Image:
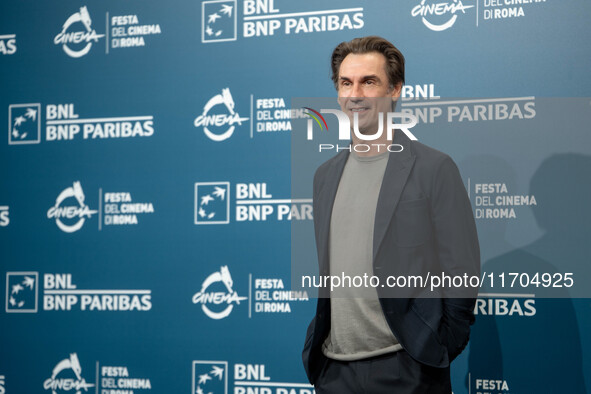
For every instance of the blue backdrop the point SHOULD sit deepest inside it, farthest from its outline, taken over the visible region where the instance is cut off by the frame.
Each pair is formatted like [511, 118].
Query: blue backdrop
[146, 184]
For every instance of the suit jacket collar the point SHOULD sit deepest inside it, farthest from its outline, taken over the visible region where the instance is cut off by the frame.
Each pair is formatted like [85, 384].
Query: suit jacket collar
[395, 177]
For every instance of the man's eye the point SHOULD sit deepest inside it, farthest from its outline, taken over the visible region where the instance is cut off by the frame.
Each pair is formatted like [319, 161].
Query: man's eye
[370, 82]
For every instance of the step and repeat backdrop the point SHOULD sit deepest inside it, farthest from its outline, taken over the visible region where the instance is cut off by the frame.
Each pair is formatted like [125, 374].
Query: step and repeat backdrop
[146, 200]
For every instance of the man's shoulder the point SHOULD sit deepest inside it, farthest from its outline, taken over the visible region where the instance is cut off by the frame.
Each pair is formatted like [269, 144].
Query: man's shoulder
[427, 156]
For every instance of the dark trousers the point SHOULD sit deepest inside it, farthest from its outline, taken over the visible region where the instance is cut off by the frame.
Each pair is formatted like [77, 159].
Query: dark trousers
[390, 373]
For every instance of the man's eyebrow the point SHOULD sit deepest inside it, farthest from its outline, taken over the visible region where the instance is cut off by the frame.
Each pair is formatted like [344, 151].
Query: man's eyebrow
[364, 78]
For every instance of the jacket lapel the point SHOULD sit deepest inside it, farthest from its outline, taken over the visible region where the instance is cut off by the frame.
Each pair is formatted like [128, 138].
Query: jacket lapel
[397, 171]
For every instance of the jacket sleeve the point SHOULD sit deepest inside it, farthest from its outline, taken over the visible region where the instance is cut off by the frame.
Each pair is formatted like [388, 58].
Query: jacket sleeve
[458, 253]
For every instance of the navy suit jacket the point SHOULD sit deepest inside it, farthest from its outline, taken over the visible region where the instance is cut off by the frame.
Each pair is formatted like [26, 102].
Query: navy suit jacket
[423, 222]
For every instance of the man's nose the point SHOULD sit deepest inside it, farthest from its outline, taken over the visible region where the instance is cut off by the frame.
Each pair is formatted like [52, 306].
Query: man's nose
[357, 91]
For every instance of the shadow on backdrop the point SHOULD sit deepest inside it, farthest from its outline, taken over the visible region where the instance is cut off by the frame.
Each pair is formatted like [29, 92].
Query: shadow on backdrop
[537, 347]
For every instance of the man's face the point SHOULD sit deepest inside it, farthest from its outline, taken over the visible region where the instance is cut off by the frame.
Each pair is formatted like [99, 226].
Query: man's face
[363, 88]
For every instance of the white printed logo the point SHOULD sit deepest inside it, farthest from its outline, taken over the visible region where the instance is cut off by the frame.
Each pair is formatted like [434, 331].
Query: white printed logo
[228, 297]
[218, 21]
[439, 12]
[212, 202]
[4, 215]
[82, 211]
[76, 38]
[7, 45]
[223, 123]
[21, 292]
[126, 31]
[253, 203]
[210, 377]
[24, 124]
[67, 384]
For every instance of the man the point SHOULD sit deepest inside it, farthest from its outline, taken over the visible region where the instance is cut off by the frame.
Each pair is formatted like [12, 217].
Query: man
[387, 213]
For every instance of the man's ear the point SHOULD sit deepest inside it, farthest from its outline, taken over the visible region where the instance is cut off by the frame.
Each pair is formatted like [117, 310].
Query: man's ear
[396, 91]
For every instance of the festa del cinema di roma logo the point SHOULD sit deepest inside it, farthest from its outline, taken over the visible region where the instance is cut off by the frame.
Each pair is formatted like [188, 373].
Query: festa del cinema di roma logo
[434, 10]
[66, 384]
[64, 214]
[73, 41]
[218, 118]
[228, 297]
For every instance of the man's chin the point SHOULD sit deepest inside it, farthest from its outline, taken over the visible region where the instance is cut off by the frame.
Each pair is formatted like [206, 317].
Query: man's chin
[364, 121]
[366, 125]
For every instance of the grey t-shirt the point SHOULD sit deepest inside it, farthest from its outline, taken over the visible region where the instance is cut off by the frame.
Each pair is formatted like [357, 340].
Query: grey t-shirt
[358, 328]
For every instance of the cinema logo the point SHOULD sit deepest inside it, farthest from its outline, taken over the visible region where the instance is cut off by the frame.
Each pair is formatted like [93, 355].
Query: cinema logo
[220, 20]
[219, 119]
[439, 15]
[407, 121]
[217, 296]
[213, 377]
[126, 31]
[70, 210]
[2, 384]
[115, 209]
[61, 379]
[252, 202]
[77, 35]
[67, 377]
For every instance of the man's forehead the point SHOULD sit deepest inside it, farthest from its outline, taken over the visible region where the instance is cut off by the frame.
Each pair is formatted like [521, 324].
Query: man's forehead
[356, 65]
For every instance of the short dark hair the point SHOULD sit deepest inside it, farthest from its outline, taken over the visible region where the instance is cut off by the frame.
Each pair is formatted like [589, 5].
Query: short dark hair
[361, 45]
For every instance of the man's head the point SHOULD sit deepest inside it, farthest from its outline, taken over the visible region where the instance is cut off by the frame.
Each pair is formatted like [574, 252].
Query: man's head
[368, 74]
[394, 60]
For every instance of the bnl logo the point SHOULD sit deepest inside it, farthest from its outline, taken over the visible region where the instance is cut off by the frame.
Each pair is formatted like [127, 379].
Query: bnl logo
[24, 125]
[218, 21]
[407, 121]
[210, 377]
[21, 292]
[212, 202]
